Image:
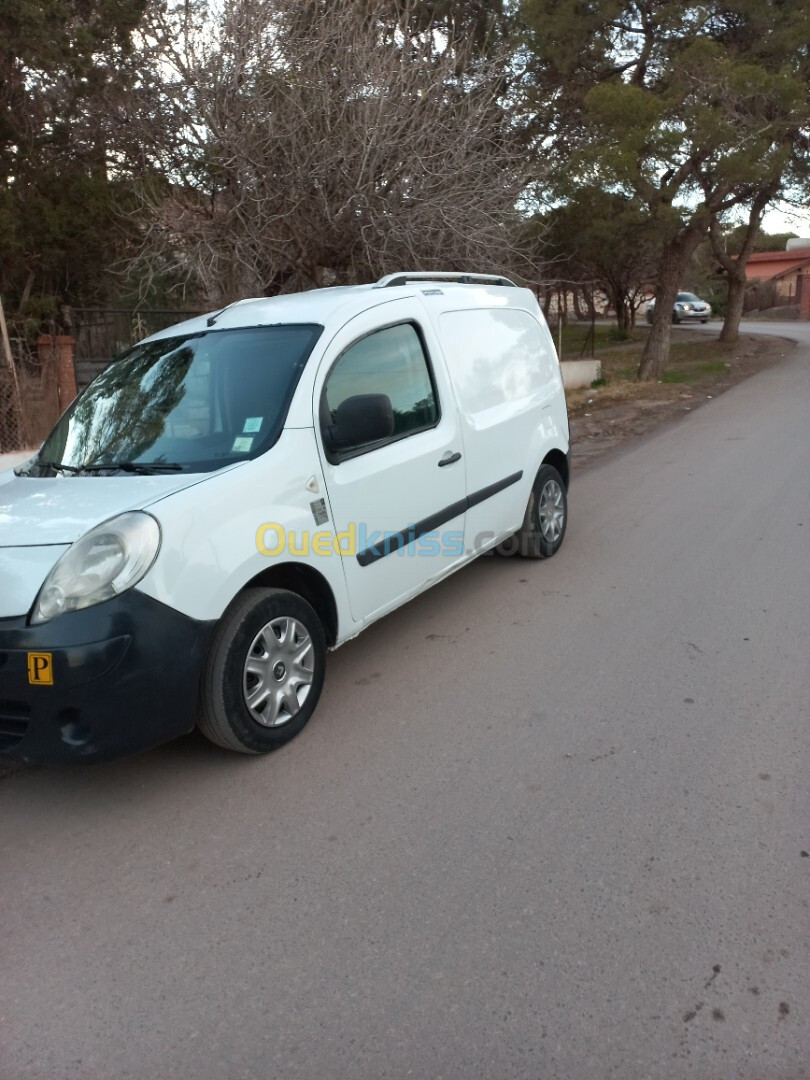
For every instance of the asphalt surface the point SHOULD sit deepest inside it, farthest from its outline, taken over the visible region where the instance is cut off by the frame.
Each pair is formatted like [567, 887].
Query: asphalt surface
[549, 821]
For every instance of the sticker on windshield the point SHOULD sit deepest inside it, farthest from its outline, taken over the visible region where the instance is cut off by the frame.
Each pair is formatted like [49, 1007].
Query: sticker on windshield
[253, 424]
[241, 445]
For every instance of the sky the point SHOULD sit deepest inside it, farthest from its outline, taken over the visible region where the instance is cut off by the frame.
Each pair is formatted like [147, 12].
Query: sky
[787, 219]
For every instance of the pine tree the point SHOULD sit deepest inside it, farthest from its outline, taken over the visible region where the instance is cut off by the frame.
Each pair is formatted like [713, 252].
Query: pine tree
[59, 62]
[690, 107]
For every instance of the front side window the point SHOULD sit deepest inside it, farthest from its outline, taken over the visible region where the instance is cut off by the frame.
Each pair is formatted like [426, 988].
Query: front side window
[194, 402]
[379, 390]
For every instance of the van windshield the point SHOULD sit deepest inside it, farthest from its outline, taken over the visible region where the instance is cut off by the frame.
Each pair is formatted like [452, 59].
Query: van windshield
[192, 403]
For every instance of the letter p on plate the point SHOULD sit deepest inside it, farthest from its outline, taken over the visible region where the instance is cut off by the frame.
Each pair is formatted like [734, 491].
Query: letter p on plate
[40, 668]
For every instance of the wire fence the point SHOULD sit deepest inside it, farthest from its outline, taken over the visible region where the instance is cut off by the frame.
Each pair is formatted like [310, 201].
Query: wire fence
[29, 397]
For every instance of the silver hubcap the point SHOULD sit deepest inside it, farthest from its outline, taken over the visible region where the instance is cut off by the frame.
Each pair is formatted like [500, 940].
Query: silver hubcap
[551, 511]
[278, 672]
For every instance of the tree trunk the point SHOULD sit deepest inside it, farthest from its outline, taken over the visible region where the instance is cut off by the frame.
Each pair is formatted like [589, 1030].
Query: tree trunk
[562, 306]
[736, 298]
[29, 284]
[587, 292]
[579, 305]
[656, 348]
[735, 268]
[674, 260]
[620, 306]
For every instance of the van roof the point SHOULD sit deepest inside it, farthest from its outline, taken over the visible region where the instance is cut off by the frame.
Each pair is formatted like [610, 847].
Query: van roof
[320, 305]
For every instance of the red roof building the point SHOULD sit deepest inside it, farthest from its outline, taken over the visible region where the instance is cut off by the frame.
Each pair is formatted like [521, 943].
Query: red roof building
[767, 265]
[788, 275]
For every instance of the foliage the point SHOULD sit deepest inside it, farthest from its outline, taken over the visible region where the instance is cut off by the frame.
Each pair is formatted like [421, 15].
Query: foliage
[608, 241]
[735, 237]
[690, 107]
[58, 79]
[480, 23]
[718, 298]
[267, 145]
[273, 168]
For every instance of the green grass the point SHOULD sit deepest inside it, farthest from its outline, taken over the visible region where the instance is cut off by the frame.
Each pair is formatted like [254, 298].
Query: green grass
[624, 374]
[575, 336]
[693, 364]
[694, 371]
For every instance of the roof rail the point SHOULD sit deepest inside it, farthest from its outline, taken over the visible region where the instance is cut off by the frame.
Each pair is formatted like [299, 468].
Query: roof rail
[402, 278]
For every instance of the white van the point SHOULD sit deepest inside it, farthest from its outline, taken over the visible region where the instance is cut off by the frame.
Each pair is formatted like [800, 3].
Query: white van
[242, 492]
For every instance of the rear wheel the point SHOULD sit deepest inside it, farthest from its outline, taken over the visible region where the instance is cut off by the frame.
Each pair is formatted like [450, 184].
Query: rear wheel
[264, 672]
[543, 529]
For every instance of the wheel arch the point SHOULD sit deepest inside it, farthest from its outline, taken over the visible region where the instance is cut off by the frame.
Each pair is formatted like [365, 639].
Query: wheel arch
[558, 460]
[308, 584]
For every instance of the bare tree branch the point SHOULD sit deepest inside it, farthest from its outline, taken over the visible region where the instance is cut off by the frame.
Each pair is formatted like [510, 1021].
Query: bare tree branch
[309, 143]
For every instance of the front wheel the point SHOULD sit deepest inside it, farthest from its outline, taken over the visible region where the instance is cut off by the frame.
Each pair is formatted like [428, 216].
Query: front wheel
[264, 672]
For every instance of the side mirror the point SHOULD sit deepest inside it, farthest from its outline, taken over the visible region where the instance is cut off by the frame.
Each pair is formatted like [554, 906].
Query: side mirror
[365, 418]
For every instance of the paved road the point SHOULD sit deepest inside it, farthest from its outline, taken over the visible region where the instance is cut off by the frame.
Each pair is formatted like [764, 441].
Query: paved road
[551, 820]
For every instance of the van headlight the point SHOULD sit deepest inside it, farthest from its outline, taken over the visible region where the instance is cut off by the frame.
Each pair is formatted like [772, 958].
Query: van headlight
[106, 561]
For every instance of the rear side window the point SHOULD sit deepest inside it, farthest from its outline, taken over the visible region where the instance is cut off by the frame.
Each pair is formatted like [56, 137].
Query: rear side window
[496, 356]
[379, 390]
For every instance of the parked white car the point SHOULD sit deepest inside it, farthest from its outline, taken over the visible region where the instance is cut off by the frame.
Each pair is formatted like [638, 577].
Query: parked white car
[246, 490]
[687, 308]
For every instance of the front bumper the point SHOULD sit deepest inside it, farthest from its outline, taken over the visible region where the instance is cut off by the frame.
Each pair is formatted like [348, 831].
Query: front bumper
[110, 680]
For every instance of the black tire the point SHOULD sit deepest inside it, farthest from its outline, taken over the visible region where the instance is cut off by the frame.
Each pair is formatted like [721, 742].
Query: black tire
[675, 318]
[543, 529]
[704, 320]
[243, 636]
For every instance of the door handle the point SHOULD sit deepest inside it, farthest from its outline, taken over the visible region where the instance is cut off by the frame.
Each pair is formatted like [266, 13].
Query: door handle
[449, 458]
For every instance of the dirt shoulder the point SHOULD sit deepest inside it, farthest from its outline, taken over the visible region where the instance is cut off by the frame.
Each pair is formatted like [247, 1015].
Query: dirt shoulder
[700, 369]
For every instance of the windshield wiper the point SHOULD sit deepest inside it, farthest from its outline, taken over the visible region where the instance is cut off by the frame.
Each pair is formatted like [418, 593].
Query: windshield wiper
[144, 467]
[141, 467]
[59, 466]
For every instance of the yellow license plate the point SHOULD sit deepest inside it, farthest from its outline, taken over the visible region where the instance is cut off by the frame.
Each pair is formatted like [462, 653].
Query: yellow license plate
[40, 668]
